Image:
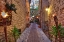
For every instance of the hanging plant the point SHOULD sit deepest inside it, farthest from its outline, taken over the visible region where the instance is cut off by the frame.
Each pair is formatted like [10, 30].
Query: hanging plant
[11, 7]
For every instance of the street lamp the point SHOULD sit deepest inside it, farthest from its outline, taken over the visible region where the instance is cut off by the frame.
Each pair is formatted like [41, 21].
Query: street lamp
[47, 9]
[37, 17]
[4, 16]
[32, 16]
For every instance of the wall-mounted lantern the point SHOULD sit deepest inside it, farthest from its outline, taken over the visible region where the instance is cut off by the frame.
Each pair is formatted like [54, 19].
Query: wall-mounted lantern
[47, 9]
[4, 14]
[4, 23]
[7, 16]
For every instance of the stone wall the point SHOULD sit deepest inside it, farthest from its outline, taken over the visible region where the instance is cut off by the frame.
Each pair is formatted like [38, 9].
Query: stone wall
[57, 7]
[43, 4]
[19, 19]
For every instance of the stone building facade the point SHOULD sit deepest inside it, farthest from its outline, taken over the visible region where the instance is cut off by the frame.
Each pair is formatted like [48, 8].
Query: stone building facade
[57, 7]
[54, 7]
[20, 19]
[43, 4]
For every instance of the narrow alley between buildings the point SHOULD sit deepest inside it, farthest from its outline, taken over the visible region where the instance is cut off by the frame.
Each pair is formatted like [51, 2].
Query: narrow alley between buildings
[33, 34]
[31, 20]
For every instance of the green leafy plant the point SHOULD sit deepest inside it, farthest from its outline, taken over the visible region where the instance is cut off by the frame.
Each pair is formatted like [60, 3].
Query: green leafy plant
[15, 33]
[11, 7]
[55, 31]
[61, 29]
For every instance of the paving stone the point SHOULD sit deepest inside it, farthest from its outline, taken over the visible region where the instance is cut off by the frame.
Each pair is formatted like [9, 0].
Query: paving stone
[42, 36]
[24, 35]
[33, 34]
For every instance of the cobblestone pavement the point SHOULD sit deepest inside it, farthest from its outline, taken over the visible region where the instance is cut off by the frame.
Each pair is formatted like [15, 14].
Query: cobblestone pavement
[24, 36]
[33, 34]
[41, 35]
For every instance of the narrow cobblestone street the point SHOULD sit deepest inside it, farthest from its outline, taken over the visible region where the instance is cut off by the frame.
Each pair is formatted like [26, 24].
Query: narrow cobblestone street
[31, 20]
[35, 35]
